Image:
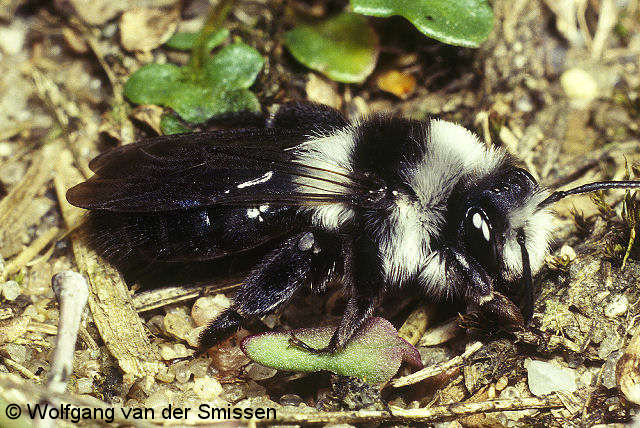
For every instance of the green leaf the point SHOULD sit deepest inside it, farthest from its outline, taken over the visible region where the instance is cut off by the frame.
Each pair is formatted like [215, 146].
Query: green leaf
[374, 354]
[456, 22]
[171, 124]
[186, 41]
[196, 104]
[344, 47]
[235, 67]
[152, 83]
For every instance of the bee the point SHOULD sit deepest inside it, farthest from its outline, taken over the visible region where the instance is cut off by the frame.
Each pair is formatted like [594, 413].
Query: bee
[381, 204]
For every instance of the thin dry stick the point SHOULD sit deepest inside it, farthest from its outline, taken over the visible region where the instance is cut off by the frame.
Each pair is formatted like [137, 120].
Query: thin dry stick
[606, 22]
[72, 292]
[38, 244]
[30, 392]
[20, 369]
[154, 299]
[436, 369]
[422, 415]
[14, 206]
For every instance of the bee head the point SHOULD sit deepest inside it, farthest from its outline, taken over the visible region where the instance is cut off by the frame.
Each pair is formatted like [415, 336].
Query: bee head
[502, 222]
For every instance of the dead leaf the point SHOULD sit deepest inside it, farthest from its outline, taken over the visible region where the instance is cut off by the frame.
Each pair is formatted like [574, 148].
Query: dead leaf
[397, 82]
[149, 114]
[95, 12]
[143, 29]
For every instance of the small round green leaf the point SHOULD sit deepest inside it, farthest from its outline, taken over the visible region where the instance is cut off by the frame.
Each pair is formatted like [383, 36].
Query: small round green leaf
[152, 84]
[235, 67]
[186, 41]
[197, 104]
[456, 22]
[344, 47]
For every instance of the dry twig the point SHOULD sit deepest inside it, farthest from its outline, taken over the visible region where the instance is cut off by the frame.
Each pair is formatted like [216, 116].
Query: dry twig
[422, 415]
[436, 369]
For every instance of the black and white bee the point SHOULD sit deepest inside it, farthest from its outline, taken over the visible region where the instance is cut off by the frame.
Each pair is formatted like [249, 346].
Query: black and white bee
[381, 204]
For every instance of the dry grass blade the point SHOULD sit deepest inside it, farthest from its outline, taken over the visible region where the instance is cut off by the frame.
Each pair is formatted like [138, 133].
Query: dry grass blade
[154, 299]
[109, 300]
[29, 253]
[17, 203]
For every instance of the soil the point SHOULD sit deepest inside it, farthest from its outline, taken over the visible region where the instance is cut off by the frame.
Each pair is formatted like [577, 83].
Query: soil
[556, 84]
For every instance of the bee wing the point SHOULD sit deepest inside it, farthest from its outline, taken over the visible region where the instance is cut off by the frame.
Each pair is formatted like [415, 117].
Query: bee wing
[174, 172]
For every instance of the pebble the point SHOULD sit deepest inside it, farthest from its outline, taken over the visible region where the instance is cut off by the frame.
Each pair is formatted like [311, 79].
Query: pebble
[398, 83]
[323, 91]
[84, 385]
[181, 371]
[580, 87]
[259, 372]
[171, 352]
[177, 324]
[291, 400]
[207, 388]
[545, 378]
[209, 307]
[157, 400]
[610, 343]
[617, 307]
[12, 37]
[567, 252]
[10, 290]
[199, 367]
[441, 333]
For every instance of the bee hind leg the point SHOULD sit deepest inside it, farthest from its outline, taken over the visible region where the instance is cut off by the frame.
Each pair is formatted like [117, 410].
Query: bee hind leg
[296, 263]
[362, 285]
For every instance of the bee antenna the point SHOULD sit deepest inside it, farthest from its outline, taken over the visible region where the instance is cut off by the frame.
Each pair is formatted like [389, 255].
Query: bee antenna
[589, 188]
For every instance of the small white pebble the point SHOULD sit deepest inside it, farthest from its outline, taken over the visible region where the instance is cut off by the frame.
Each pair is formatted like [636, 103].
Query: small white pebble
[84, 385]
[6, 149]
[10, 290]
[567, 252]
[207, 388]
[209, 307]
[580, 87]
[12, 37]
[617, 307]
[544, 378]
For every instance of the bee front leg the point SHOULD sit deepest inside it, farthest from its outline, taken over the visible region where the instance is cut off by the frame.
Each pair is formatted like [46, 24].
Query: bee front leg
[475, 286]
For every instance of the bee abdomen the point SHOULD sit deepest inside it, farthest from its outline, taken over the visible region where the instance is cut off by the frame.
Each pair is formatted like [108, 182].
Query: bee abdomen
[197, 234]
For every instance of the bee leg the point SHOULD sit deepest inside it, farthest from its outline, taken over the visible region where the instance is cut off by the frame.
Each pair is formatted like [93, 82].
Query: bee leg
[475, 287]
[358, 309]
[269, 286]
[364, 294]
